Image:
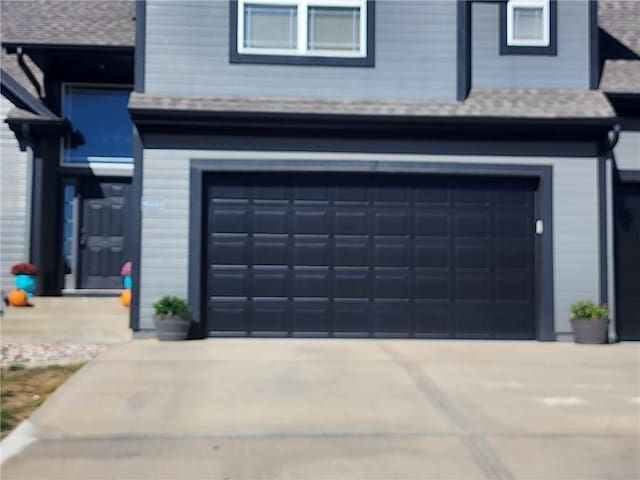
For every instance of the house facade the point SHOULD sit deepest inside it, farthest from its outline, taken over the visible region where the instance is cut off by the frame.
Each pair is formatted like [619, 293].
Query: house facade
[430, 169]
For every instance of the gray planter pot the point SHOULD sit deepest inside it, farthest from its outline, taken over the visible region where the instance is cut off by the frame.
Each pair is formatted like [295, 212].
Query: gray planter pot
[172, 328]
[587, 330]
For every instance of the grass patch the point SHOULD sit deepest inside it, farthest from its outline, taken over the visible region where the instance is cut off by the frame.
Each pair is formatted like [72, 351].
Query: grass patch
[22, 390]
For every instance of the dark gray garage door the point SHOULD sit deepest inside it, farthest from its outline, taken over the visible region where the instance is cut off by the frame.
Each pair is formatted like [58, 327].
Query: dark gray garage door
[627, 253]
[369, 254]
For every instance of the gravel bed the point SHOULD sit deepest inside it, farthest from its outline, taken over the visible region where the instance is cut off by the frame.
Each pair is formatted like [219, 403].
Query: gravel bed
[47, 354]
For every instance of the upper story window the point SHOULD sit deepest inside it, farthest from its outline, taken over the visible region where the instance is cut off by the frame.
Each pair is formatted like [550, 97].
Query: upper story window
[102, 128]
[308, 32]
[528, 27]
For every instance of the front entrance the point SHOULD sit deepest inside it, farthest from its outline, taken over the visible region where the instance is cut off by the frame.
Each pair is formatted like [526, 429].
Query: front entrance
[102, 246]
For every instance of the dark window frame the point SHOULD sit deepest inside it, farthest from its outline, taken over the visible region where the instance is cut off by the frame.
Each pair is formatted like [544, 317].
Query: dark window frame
[549, 50]
[366, 61]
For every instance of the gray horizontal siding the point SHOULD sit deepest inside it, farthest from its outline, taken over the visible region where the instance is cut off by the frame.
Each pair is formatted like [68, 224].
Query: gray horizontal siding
[14, 215]
[627, 150]
[569, 69]
[187, 53]
[165, 233]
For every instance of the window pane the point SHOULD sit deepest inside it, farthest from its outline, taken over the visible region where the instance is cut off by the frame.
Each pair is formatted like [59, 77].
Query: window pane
[334, 28]
[270, 26]
[528, 23]
[102, 128]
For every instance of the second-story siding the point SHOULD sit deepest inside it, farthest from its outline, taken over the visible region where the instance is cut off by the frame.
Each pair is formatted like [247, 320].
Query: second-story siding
[568, 69]
[187, 53]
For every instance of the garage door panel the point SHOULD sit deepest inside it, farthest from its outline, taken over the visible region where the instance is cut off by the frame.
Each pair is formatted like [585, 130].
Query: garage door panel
[392, 317]
[469, 195]
[270, 251]
[228, 220]
[431, 253]
[512, 288]
[391, 283]
[510, 256]
[311, 252]
[471, 319]
[431, 224]
[228, 282]
[510, 225]
[512, 321]
[351, 282]
[228, 316]
[432, 286]
[391, 252]
[310, 222]
[350, 222]
[392, 223]
[226, 250]
[311, 317]
[471, 225]
[351, 252]
[351, 316]
[432, 318]
[311, 283]
[472, 256]
[228, 193]
[269, 220]
[269, 282]
[472, 286]
[362, 255]
[270, 316]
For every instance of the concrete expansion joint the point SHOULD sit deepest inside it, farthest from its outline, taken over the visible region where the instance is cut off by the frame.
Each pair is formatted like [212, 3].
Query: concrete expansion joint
[482, 453]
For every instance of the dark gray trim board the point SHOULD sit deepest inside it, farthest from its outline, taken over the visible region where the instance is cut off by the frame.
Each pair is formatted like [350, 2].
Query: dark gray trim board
[19, 96]
[135, 223]
[602, 216]
[630, 176]
[135, 230]
[464, 49]
[543, 211]
[235, 57]
[141, 27]
[551, 49]
[594, 46]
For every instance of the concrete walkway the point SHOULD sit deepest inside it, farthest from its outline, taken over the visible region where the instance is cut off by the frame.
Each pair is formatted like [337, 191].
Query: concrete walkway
[73, 320]
[340, 409]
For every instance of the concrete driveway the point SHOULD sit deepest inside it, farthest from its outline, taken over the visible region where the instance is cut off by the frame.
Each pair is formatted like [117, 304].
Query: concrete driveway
[340, 409]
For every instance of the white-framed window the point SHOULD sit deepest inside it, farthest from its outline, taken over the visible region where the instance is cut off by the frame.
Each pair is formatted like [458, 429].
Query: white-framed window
[313, 28]
[528, 23]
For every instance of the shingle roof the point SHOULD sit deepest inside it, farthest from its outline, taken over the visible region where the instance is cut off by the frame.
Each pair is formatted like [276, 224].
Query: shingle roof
[621, 76]
[621, 20]
[497, 103]
[68, 22]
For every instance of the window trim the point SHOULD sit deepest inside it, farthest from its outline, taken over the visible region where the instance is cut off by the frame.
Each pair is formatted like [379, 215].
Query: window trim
[548, 46]
[124, 163]
[302, 56]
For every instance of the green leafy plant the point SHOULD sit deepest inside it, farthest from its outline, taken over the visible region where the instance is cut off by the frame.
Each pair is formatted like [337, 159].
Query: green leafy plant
[589, 310]
[171, 306]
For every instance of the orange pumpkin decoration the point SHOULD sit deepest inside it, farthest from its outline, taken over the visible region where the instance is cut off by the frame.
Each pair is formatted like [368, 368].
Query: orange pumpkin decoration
[18, 298]
[125, 297]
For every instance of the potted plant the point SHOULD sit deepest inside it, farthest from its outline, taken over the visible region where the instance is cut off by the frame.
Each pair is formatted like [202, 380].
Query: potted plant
[172, 318]
[590, 322]
[25, 277]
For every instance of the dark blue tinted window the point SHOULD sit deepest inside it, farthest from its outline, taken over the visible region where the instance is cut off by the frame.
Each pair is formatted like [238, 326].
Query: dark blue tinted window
[101, 125]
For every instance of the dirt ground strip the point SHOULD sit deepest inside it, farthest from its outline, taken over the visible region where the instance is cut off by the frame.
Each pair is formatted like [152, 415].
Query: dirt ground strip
[47, 354]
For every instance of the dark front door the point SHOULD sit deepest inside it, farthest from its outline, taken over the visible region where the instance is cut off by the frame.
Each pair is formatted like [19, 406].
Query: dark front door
[627, 253]
[364, 255]
[103, 247]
